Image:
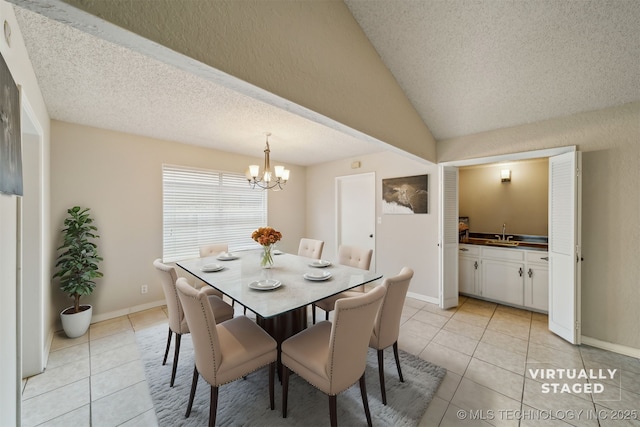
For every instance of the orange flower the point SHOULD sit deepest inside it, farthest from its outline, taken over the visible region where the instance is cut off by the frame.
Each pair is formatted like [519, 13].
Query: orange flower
[266, 236]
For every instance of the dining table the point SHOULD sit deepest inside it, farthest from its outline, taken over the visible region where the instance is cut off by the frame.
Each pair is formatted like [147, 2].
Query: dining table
[279, 295]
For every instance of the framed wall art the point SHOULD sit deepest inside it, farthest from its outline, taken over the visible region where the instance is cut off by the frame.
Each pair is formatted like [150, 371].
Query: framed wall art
[10, 134]
[406, 195]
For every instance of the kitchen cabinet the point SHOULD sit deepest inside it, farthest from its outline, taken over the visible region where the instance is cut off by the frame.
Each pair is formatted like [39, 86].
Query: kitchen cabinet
[512, 276]
[468, 270]
[536, 282]
[502, 275]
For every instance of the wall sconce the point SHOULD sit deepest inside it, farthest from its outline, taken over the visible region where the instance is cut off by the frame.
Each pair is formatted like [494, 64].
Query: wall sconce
[505, 175]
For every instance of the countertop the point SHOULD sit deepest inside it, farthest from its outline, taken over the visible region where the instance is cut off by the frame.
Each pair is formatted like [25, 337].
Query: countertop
[539, 243]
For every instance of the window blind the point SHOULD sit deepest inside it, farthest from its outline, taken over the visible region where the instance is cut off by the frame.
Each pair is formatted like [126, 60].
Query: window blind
[201, 207]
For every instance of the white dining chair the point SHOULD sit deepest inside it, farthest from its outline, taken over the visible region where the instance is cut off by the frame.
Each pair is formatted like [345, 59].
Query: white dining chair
[352, 256]
[310, 248]
[216, 249]
[177, 320]
[386, 328]
[332, 356]
[223, 352]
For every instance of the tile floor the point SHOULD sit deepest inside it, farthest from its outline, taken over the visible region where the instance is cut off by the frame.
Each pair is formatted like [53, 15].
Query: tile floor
[487, 349]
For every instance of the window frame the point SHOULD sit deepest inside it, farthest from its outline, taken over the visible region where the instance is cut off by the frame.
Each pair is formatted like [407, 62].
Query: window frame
[206, 206]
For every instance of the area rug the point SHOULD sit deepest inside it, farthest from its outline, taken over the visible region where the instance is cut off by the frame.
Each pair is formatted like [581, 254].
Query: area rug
[246, 402]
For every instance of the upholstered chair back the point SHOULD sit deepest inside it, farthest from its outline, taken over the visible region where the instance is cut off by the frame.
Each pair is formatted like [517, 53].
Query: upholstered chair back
[204, 333]
[310, 248]
[348, 344]
[387, 324]
[168, 278]
[354, 256]
[213, 250]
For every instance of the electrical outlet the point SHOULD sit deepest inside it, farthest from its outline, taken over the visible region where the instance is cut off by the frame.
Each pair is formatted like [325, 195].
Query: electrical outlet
[144, 289]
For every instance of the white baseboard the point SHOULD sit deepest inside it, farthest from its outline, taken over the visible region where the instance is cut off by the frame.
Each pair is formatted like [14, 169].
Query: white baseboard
[125, 311]
[425, 298]
[616, 348]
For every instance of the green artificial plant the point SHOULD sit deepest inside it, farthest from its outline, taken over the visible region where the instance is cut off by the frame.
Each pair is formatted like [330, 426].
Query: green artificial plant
[77, 264]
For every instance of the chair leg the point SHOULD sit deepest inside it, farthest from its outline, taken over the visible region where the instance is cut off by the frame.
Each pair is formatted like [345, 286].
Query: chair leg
[176, 354]
[395, 353]
[313, 313]
[272, 374]
[166, 351]
[365, 400]
[381, 375]
[333, 413]
[326, 315]
[213, 406]
[194, 384]
[285, 390]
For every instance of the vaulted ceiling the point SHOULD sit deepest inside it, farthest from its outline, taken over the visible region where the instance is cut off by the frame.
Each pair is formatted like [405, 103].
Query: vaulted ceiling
[464, 66]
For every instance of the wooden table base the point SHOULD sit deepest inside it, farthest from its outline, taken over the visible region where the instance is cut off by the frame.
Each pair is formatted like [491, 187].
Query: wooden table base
[284, 326]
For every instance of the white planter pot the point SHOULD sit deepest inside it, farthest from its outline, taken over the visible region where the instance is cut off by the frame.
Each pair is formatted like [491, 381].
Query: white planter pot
[76, 324]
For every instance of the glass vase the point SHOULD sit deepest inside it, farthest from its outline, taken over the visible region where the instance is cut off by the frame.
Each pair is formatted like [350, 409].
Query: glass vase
[266, 261]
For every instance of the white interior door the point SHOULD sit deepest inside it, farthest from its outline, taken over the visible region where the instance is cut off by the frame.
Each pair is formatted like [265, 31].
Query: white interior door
[448, 237]
[356, 212]
[564, 245]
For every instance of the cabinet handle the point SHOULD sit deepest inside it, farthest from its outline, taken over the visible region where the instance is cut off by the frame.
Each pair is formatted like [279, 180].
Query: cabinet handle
[546, 258]
[464, 249]
[530, 273]
[520, 271]
[475, 265]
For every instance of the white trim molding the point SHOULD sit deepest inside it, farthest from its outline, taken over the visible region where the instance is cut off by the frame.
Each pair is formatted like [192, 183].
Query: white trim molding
[126, 311]
[424, 298]
[616, 348]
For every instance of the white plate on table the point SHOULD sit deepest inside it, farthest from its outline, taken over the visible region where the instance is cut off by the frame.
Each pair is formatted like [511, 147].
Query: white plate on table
[317, 275]
[320, 263]
[227, 256]
[277, 252]
[265, 285]
[212, 268]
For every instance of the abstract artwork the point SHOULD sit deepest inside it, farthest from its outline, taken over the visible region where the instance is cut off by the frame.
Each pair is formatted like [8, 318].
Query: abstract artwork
[406, 195]
[10, 134]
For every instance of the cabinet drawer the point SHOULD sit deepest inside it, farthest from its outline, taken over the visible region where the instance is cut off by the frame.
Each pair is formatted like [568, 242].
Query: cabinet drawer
[539, 257]
[468, 250]
[503, 254]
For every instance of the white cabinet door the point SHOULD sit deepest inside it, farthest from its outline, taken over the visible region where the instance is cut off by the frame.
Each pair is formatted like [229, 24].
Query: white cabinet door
[467, 275]
[503, 281]
[536, 287]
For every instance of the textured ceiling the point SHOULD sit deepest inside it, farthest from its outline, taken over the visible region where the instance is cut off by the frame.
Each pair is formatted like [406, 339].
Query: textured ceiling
[90, 81]
[466, 66]
[470, 66]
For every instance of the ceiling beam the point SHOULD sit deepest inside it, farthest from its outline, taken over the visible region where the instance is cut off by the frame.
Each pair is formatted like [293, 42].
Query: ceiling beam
[307, 57]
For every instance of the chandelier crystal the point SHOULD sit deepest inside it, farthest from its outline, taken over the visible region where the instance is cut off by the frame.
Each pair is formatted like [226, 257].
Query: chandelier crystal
[269, 178]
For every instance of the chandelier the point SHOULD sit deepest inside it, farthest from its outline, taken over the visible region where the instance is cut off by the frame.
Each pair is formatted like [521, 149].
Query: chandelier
[268, 179]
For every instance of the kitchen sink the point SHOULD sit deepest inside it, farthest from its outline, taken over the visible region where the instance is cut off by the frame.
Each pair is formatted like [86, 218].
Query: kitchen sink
[496, 242]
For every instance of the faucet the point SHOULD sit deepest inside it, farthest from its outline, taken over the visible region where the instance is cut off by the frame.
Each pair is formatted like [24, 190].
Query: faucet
[504, 229]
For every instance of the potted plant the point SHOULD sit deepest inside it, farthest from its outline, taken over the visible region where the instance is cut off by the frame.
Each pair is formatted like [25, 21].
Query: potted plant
[77, 267]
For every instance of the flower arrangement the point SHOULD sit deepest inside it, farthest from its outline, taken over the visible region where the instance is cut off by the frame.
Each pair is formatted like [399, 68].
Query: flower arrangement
[266, 237]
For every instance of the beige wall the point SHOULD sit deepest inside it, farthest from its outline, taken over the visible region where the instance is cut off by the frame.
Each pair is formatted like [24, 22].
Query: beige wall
[610, 142]
[119, 176]
[521, 204]
[401, 240]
